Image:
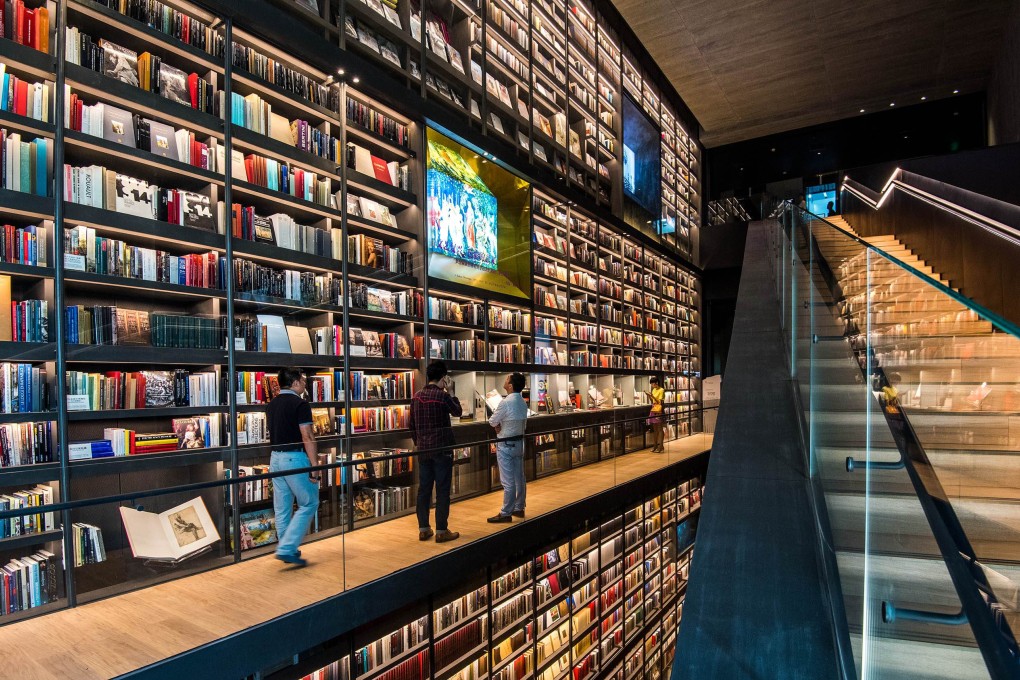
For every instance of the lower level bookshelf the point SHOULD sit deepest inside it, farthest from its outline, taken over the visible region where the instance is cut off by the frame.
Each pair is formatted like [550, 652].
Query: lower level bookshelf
[603, 602]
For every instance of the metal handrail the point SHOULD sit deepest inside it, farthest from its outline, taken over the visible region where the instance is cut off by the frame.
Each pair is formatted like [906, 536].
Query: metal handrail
[199, 486]
[895, 182]
[995, 640]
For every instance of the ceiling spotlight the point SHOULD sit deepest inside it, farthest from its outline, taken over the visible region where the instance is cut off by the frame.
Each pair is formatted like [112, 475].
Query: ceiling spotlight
[956, 92]
[906, 137]
[819, 153]
[339, 71]
[862, 110]
[924, 98]
[773, 149]
[892, 103]
[355, 79]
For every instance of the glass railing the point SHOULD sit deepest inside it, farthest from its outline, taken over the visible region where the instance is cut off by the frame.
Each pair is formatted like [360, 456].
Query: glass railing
[162, 528]
[911, 397]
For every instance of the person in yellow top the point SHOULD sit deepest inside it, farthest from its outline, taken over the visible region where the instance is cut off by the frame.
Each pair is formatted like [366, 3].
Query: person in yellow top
[657, 395]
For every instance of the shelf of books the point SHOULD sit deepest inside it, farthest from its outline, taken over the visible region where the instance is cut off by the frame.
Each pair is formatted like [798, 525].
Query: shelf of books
[545, 77]
[225, 209]
[604, 602]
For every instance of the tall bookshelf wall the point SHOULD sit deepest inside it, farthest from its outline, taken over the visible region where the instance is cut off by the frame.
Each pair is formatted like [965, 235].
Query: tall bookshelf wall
[545, 77]
[605, 602]
[205, 320]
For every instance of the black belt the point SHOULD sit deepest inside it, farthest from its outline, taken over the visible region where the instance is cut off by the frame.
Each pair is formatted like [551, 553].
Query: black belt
[301, 450]
[515, 438]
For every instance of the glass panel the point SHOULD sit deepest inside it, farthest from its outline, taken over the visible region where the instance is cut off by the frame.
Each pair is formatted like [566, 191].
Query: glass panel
[908, 349]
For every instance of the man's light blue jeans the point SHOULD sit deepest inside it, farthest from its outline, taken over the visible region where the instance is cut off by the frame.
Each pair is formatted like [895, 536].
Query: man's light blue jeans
[292, 526]
[510, 459]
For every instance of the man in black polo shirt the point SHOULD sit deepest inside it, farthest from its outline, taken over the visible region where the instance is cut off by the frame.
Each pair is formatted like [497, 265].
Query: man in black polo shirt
[293, 447]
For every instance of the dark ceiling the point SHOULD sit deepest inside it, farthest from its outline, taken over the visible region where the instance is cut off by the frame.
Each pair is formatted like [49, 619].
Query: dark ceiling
[751, 68]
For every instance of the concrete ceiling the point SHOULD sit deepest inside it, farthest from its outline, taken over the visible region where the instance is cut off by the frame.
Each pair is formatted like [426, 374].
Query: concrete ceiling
[750, 68]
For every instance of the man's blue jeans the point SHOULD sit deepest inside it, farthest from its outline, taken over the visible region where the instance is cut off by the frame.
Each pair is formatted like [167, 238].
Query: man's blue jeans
[291, 526]
[510, 458]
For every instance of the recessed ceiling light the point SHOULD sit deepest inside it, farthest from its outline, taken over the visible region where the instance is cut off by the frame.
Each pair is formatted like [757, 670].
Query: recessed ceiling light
[339, 71]
[355, 79]
[819, 153]
[862, 110]
[924, 98]
[906, 137]
[773, 149]
[892, 103]
[956, 92]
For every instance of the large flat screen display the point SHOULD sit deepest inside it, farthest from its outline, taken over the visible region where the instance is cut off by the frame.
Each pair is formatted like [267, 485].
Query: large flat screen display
[642, 185]
[478, 220]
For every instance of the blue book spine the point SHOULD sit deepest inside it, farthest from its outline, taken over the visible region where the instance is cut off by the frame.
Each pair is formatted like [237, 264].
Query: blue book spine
[4, 99]
[22, 389]
[41, 181]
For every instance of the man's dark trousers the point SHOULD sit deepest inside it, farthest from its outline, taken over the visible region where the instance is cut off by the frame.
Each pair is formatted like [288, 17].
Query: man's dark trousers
[438, 471]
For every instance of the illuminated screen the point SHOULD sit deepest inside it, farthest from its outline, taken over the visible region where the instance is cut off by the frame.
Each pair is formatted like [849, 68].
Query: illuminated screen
[478, 220]
[642, 186]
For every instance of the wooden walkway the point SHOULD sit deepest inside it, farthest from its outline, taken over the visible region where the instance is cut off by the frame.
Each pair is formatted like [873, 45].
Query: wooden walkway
[107, 638]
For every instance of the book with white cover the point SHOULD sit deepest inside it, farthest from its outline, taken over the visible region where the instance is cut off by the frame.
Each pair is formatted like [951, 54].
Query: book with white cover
[493, 399]
[171, 535]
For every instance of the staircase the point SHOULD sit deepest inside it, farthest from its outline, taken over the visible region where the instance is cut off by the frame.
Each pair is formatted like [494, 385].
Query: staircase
[957, 380]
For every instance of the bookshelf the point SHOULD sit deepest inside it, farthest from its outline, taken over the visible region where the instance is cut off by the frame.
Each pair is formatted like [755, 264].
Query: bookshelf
[224, 212]
[605, 601]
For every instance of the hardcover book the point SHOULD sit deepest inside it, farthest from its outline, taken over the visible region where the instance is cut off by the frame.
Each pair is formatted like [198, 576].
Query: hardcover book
[367, 38]
[171, 535]
[262, 228]
[197, 211]
[189, 433]
[258, 528]
[389, 52]
[132, 196]
[381, 170]
[373, 348]
[173, 84]
[159, 389]
[357, 343]
[118, 126]
[119, 62]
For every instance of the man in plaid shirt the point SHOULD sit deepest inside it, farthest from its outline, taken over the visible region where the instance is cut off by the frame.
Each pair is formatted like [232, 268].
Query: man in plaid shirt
[432, 433]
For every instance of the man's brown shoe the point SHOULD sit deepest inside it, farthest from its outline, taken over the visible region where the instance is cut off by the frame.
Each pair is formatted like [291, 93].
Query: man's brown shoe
[518, 513]
[444, 536]
[424, 534]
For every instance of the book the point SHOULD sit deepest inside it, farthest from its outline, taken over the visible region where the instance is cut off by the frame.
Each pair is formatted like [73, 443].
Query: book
[172, 534]
[119, 63]
[357, 342]
[277, 339]
[173, 84]
[118, 126]
[258, 528]
[389, 52]
[300, 341]
[455, 58]
[189, 433]
[373, 348]
[197, 211]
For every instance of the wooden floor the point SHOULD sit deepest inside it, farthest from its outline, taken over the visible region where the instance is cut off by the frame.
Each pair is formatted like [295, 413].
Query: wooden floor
[110, 637]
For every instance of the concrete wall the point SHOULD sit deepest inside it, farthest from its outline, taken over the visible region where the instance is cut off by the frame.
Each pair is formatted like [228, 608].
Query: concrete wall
[1004, 86]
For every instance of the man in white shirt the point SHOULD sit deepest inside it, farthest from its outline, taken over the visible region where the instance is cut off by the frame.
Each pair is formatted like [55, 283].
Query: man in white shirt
[509, 420]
